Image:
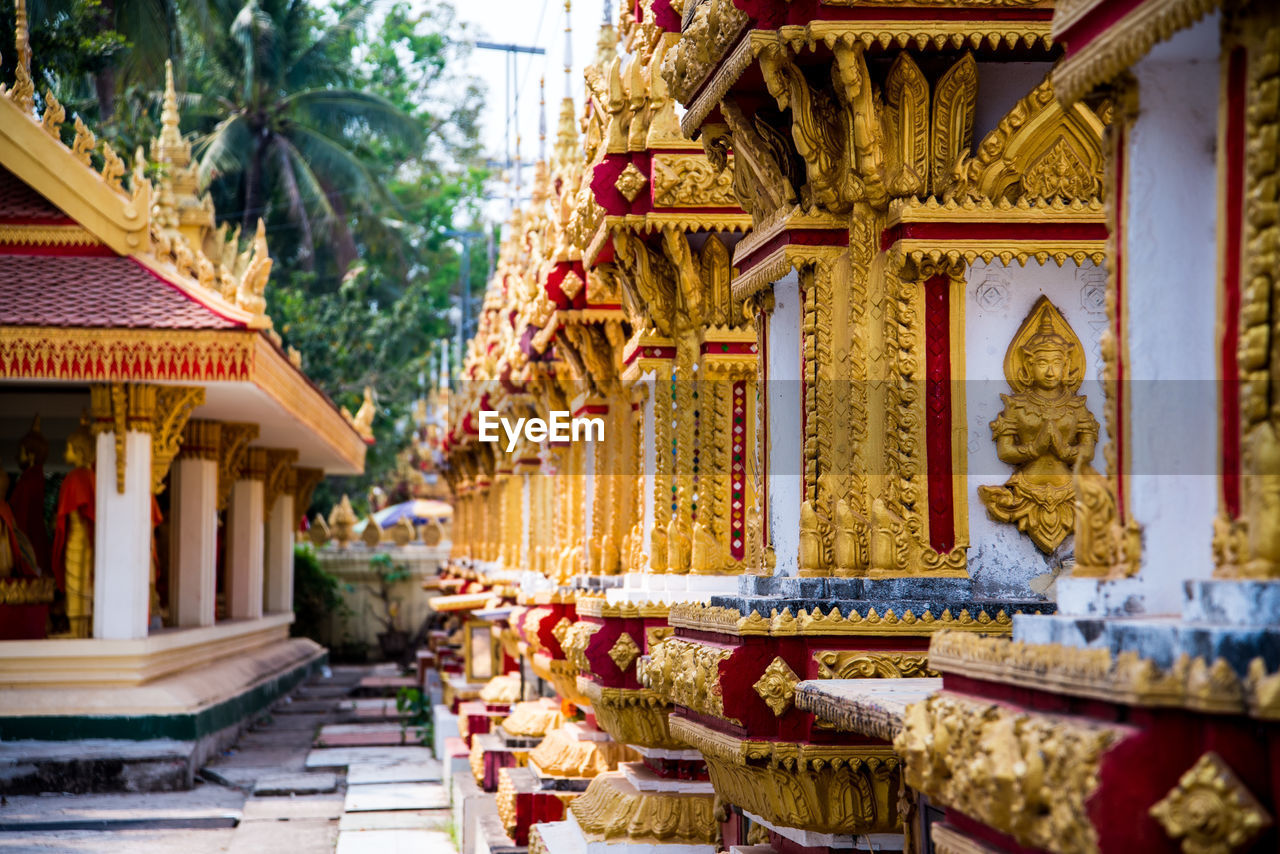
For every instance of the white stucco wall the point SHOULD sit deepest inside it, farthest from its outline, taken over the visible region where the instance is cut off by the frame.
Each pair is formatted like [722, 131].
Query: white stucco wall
[786, 437]
[1003, 561]
[1171, 257]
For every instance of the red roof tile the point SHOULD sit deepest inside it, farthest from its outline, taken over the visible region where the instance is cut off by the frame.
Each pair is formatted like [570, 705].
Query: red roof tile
[96, 292]
[20, 203]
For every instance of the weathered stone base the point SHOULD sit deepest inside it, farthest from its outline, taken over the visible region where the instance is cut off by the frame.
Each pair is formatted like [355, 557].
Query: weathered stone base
[181, 721]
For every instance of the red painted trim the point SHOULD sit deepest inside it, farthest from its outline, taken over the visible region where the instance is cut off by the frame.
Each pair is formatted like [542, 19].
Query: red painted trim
[763, 417]
[738, 471]
[937, 397]
[1229, 359]
[35, 220]
[795, 237]
[732, 348]
[1096, 22]
[1118, 440]
[991, 231]
[651, 353]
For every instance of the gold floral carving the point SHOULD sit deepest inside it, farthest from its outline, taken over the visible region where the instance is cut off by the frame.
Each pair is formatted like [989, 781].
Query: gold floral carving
[561, 630]
[688, 674]
[506, 801]
[575, 641]
[624, 651]
[231, 457]
[837, 789]
[174, 405]
[1191, 683]
[637, 717]
[1039, 151]
[1045, 429]
[785, 623]
[305, 481]
[475, 759]
[532, 718]
[121, 408]
[690, 181]
[613, 809]
[1211, 810]
[861, 664]
[562, 755]
[630, 182]
[502, 689]
[1027, 775]
[92, 355]
[777, 686]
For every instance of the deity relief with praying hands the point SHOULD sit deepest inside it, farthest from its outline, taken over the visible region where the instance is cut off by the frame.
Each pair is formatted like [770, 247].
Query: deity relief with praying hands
[1043, 430]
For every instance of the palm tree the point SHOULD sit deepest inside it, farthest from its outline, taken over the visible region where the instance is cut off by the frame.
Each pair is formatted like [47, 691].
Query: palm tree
[282, 125]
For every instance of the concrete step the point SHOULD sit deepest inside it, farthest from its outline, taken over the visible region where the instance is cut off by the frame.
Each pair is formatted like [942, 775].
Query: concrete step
[96, 765]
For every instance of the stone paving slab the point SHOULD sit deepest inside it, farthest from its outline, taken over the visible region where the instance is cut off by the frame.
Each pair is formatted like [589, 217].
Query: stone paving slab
[400, 772]
[395, 842]
[323, 692]
[131, 841]
[395, 820]
[304, 707]
[381, 797]
[387, 683]
[302, 836]
[288, 809]
[201, 802]
[342, 757]
[369, 738]
[296, 784]
[346, 729]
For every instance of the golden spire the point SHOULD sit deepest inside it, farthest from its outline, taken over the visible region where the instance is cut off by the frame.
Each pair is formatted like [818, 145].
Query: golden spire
[171, 149]
[607, 41]
[567, 136]
[24, 90]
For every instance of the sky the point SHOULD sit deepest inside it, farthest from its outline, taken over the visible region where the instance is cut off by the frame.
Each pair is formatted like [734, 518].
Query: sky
[530, 23]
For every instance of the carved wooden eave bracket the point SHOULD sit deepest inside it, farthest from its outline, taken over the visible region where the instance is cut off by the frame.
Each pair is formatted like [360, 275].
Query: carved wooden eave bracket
[1100, 46]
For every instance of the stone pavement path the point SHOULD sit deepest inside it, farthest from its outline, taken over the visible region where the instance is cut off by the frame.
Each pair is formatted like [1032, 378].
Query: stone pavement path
[325, 770]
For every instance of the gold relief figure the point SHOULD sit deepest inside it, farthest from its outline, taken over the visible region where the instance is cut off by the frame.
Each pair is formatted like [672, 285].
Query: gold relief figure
[73, 533]
[1044, 429]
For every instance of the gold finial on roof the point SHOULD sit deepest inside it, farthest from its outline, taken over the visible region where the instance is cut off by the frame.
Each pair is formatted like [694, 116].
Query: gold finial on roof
[23, 92]
[171, 148]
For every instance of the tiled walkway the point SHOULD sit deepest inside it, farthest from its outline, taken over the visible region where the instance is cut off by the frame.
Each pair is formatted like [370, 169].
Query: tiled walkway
[327, 769]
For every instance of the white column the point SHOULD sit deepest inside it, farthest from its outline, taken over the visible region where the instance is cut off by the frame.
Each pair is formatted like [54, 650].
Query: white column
[246, 535]
[193, 541]
[784, 407]
[122, 539]
[279, 586]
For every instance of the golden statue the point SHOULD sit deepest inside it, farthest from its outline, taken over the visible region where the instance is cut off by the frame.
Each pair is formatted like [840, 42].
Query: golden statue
[73, 532]
[342, 522]
[1044, 429]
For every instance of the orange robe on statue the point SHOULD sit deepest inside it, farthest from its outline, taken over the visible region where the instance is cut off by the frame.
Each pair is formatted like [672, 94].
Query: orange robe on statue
[76, 495]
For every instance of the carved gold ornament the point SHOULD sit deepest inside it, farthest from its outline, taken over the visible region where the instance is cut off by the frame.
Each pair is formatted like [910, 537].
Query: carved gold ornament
[561, 630]
[860, 664]
[1045, 429]
[561, 754]
[688, 674]
[532, 718]
[630, 182]
[777, 687]
[613, 809]
[823, 788]
[785, 623]
[1211, 810]
[624, 651]
[690, 181]
[636, 717]
[1027, 775]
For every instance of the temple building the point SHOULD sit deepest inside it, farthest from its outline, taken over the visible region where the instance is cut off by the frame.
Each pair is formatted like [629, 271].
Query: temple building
[145, 398]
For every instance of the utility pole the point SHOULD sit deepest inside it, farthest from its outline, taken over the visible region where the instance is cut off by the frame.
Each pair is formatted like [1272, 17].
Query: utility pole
[464, 288]
[512, 103]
